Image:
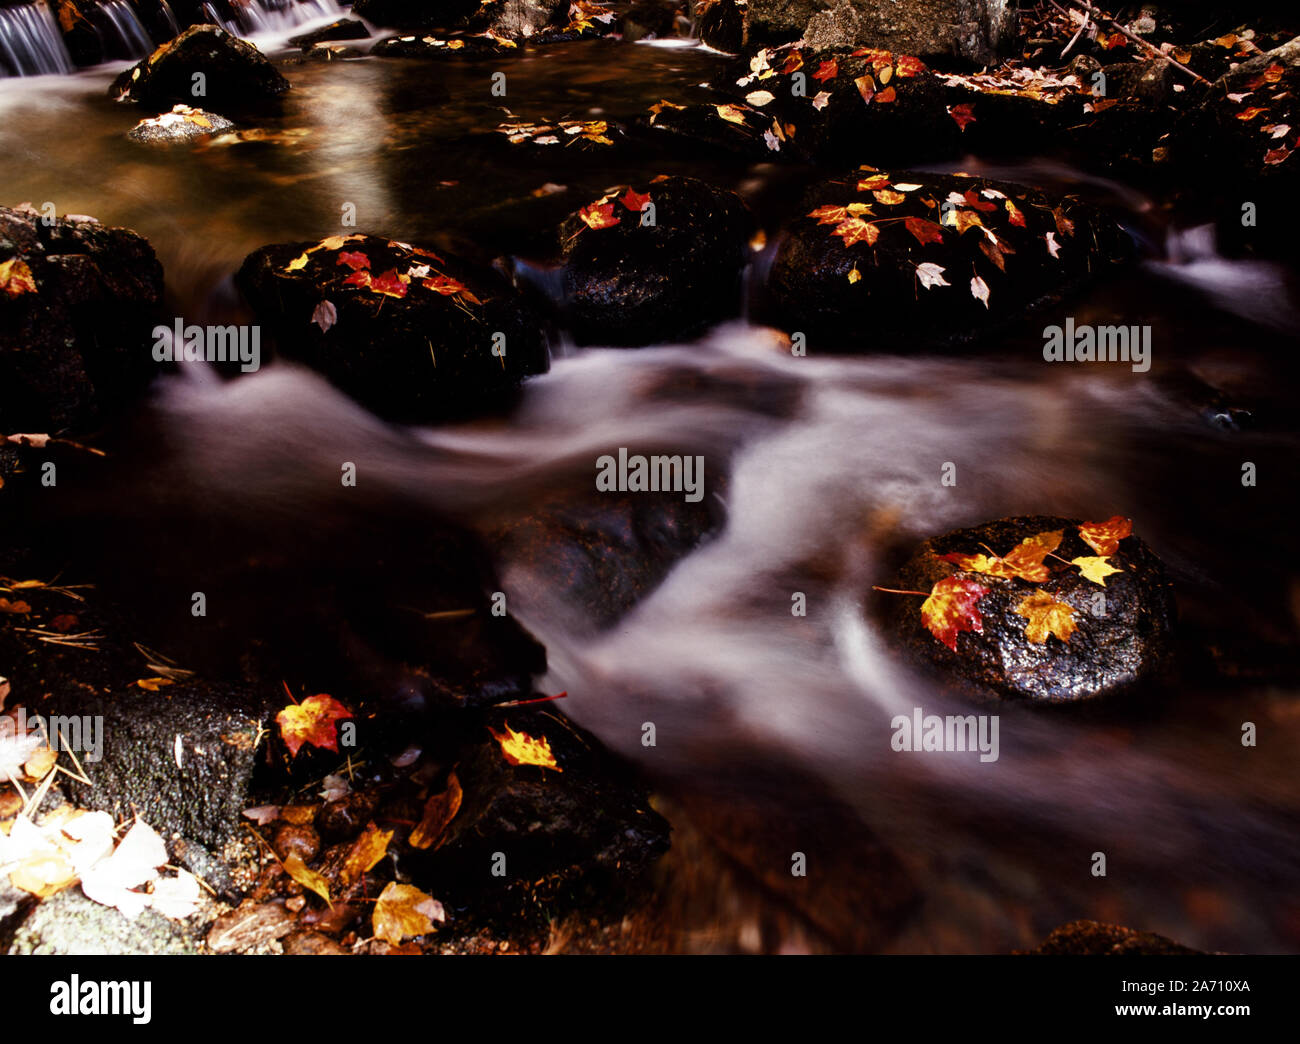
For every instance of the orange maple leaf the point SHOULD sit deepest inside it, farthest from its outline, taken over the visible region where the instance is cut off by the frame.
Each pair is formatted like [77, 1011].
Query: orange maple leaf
[952, 608]
[1025, 560]
[520, 748]
[855, 230]
[599, 215]
[16, 277]
[1104, 537]
[312, 721]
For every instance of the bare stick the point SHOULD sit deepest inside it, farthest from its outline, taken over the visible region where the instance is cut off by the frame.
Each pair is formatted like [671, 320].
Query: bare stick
[1155, 52]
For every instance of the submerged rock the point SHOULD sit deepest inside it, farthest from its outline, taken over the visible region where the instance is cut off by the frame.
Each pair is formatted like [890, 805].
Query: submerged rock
[183, 124]
[410, 334]
[1117, 626]
[232, 73]
[78, 303]
[653, 262]
[447, 47]
[896, 259]
[343, 29]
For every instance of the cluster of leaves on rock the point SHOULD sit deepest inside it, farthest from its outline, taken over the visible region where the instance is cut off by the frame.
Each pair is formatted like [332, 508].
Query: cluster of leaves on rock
[603, 212]
[952, 605]
[419, 271]
[856, 222]
[1257, 116]
[584, 133]
[402, 911]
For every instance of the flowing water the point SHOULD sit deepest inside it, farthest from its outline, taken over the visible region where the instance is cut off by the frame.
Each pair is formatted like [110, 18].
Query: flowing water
[824, 469]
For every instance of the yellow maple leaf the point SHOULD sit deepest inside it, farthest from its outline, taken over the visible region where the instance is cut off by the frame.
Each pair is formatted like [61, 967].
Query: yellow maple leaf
[402, 911]
[16, 277]
[307, 877]
[731, 114]
[1095, 568]
[520, 748]
[1046, 616]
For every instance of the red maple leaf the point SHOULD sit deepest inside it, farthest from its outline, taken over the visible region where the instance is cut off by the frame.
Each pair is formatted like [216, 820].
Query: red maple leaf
[634, 201]
[828, 70]
[925, 231]
[354, 260]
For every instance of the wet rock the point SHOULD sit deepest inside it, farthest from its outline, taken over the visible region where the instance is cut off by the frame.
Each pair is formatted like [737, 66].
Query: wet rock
[847, 106]
[343, 29]
[313, 944]
[69, 923]
[180, 126]
[1245, 133]
[652, 20]
[936, 227]
[977, 31]
[589, 822]
[520, 18]
[250, 926]
[1121, 631]
[447, 47]
[635, 283]
[602, 553]
[345, 818]
[296, 839]
[235, 74]
[81, 35]
[410, 334]
[75, 322]
[730, 129]
[721, 25]
[1093, 938]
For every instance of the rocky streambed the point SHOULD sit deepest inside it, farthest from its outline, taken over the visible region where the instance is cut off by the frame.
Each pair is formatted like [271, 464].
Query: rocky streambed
[302, 433]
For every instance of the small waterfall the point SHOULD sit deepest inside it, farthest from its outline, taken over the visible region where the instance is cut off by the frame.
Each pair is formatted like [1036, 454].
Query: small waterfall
[270, 16]
[30, 44]
[121, 31]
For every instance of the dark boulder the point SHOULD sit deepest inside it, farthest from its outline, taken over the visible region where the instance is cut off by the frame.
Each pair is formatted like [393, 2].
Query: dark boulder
[77, 303]
[1117, 627]
[892, 258]
[720, 24]
[629, 282]
[204, 64]
[1095, 939]
[343, 29]
[849, 105]
[410, 334]
[590, 821]
[179, 127]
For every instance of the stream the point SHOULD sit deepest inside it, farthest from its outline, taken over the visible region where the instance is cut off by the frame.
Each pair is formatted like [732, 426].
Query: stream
[829, 470]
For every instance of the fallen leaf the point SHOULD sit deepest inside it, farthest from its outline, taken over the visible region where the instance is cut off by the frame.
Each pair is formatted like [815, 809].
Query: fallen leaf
[403, 911]
[439, 811]
[731, 114]
[1095, 569]
[635, 201]
[855, 230]
[931, 275]
[308, 878]
[820, 100]
[1250, 113]
[365, 853]
[760, 98]
[962, 114]
[312, 721]
[980, 290]
[889, 197]
[520, 748]
[16, 278]
[952, 608]
[1024, 561]
[1053, 247]
[827, 70]
[599, 215]
[1104, 537]
[1046, 616]
[885, 96]
[924, 230]
[325, 315]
